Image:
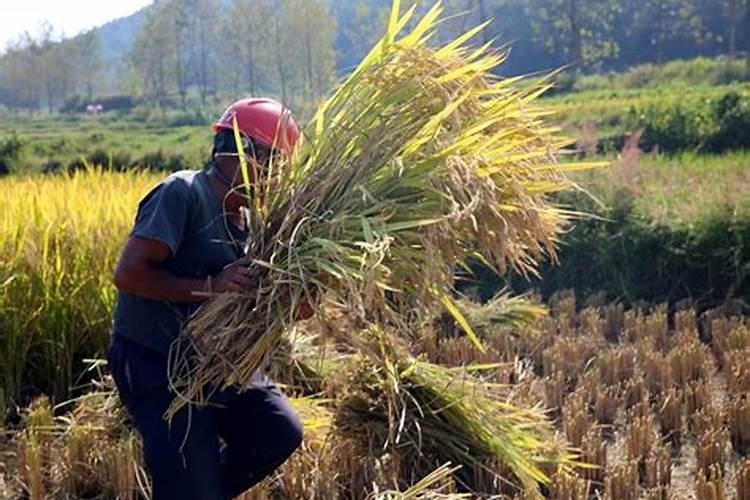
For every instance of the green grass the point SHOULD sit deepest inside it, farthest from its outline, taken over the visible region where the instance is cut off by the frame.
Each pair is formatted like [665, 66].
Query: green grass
[701, 71]
[676, 190]
[67, 138]
[609, 110]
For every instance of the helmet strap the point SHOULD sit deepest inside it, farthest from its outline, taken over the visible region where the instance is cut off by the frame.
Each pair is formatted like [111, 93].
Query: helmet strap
[223, 178]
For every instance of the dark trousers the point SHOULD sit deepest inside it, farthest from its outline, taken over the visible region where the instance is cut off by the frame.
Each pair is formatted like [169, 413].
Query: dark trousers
[184, 458]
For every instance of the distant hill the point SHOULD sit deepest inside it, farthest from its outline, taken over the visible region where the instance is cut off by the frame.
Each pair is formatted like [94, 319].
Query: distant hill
[117, 36]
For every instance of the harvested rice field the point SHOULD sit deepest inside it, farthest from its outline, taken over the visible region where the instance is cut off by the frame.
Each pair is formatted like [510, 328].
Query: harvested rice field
[654, 403]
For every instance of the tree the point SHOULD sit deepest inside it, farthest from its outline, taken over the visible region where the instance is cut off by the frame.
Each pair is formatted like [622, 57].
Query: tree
[181, 35]
[152, 52]
[205, 21]
[581, 31]
[665, 20]
[88, 58]
[312, 46]
[249, 36]
[362, 23]
[732, 11]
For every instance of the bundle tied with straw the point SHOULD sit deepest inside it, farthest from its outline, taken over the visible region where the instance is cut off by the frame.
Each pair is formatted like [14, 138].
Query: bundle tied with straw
[420, 161]
[420, 415]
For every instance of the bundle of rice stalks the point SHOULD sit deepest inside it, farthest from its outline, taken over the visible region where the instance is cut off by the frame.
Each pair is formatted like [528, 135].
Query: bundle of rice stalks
[419, 415]
[502, 314]
[420, 161]
[437, 485]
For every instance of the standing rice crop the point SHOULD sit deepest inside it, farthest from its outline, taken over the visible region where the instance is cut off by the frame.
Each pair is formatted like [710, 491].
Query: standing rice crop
[59, 240]
[419, 161]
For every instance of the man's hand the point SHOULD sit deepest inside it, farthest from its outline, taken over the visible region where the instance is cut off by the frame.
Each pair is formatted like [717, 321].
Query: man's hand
[236, 277]
[305, 309]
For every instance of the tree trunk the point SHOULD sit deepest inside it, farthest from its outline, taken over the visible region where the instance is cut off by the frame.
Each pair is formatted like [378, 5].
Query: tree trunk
[251, 64]
[483, 18]
[660, 35]
[732, 29]
[576, 44]
[309, 69]
[281, 63]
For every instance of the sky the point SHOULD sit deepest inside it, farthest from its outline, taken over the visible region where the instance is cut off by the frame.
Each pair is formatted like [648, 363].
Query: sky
[70, 16]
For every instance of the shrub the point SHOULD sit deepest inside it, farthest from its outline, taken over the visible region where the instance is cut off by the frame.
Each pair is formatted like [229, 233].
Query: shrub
[732, 113]
[709, 126]
[116, 161]
[187, 118]
[161, 161]
[11, 151]
[633, 258]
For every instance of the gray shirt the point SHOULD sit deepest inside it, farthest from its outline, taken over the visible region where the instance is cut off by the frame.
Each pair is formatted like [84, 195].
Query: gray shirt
[184, 213]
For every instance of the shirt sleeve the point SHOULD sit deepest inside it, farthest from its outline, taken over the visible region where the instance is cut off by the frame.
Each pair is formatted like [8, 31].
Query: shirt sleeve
[163, 214]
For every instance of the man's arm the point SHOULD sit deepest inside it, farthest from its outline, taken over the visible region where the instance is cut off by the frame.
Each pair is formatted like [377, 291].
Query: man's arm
[140, 271]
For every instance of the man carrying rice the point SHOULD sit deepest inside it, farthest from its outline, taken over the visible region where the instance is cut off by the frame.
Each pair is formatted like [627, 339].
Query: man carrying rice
[188, 243]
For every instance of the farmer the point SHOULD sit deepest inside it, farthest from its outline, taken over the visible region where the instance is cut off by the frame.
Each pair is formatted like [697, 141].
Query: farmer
[187, 241]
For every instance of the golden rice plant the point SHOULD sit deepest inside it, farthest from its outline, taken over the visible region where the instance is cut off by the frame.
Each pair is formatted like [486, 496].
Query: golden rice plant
[659, 493]
[32, 466]
[614, 319]
[503, 314]
[710, 451]
[563, 308]
[617, 366]
[570, 356]
[691, 361]
[621, 482]
[576, 419]
[710, 485]
[555, 391]
[594, 455]
[640, 440]
[669, 412]
[635, 392]
[59, 240]
[738, 420]
[567, 486]
[606, 404]
[686, 322]
[656, 370]
[728, 334]
[419, 161]
[658, 470]
[743, 480]
[697, 397]
[738, 371]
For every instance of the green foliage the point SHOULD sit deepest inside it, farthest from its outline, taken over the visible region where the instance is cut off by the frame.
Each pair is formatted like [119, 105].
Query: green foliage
[699, 71]
[11, 149]
[706, 126]
[662, 21]
[631, 257]
[580, 30]
[732, 114]
[145, 137]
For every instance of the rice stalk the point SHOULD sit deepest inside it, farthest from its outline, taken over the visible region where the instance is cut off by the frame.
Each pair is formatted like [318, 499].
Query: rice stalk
[418, 162]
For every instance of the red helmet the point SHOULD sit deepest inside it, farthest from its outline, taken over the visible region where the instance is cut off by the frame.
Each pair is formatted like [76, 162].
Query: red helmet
[264, 120]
